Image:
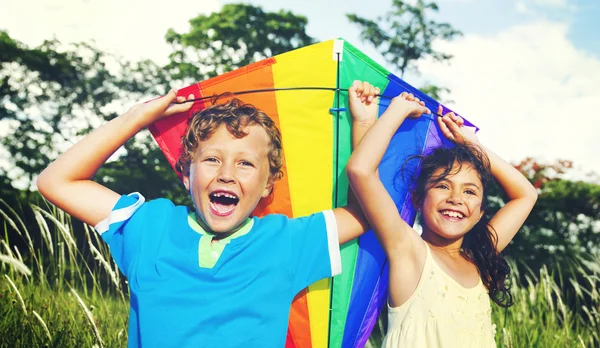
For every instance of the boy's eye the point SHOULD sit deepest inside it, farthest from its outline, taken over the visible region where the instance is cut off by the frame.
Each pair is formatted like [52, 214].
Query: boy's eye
[246, 164]
[210, 159]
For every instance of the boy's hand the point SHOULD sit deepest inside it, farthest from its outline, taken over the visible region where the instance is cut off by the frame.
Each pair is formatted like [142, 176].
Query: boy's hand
[152, 111]
[452, 127]
[363, 102]
[408, 105]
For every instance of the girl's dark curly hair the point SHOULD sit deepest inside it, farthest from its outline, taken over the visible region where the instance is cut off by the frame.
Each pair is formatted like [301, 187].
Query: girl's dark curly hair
[479, 244]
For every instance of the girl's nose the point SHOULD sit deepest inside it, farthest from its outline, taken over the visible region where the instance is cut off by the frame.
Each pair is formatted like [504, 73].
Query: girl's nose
[455, 198]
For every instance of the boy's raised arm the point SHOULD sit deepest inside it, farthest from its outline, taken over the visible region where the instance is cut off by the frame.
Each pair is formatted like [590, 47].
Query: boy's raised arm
[67, 181]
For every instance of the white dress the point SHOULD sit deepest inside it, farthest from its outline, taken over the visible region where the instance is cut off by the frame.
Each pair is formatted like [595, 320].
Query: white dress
[441, 313]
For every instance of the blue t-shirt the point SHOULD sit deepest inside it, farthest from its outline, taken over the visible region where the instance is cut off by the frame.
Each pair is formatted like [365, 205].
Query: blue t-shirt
[243, 300]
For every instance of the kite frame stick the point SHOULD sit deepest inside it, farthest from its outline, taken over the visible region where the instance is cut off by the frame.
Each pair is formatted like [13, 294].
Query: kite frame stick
[251, 91]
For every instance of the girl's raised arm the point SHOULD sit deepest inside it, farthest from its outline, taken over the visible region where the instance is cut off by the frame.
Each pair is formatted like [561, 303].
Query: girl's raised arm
[522, 195]
[377, 205]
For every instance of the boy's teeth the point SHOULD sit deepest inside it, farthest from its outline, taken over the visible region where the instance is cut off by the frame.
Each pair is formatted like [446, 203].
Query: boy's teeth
[223, 194]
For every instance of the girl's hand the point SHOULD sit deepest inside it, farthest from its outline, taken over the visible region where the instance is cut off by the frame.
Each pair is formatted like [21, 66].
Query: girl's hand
[363, 100]
[452, 127]
[408, 105]
[152, 111]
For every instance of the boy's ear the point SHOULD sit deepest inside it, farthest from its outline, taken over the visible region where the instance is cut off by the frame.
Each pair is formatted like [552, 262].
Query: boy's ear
[268, 189]
[186, 182]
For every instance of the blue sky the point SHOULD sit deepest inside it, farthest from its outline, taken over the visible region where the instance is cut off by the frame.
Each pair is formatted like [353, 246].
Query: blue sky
[486, 17]
[527, 72]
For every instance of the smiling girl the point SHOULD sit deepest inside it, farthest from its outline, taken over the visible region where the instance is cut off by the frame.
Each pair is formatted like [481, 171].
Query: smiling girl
[441, 282]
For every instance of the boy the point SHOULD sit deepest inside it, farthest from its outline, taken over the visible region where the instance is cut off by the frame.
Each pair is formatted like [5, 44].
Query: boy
[211, 276]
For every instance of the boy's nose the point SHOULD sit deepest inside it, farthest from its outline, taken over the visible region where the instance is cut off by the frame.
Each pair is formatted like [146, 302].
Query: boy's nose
[226, 174]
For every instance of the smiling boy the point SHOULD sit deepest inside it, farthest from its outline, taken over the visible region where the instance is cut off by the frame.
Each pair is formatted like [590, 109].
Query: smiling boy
[211, 276]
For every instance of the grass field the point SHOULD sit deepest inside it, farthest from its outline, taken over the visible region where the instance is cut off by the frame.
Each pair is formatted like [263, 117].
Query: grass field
[52, 295]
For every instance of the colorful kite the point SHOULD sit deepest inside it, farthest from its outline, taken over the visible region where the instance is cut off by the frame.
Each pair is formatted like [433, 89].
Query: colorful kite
[304, 91]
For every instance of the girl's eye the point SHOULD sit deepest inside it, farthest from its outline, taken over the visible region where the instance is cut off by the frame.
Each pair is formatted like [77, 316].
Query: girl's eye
[442, 186]
[246, 164]
[470, 192]
[210, 159]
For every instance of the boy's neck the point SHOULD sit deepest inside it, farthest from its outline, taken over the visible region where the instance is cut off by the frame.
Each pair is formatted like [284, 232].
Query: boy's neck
[216, 236]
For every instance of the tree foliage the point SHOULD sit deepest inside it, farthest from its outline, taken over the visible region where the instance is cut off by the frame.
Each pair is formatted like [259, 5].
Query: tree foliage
[52, 94]
[565, 222]
[405, 34]
[236, 36]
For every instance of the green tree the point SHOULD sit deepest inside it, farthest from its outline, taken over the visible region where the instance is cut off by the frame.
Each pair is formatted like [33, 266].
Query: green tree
[236, 36]
[405, 34]
[564, 225]
[51, 95]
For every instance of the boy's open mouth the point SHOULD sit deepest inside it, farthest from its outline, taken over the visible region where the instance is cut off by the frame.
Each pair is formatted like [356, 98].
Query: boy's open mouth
[223, 203]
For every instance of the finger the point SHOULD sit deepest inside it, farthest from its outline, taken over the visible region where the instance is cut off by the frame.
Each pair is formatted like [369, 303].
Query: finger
[365, 91]
[162, 103]
[456, 119]
[444, 127]
[452, 126]
[371, 93]
[353, 90]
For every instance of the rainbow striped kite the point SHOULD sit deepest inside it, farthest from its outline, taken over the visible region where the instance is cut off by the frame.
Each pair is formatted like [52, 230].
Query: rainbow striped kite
[304, 92]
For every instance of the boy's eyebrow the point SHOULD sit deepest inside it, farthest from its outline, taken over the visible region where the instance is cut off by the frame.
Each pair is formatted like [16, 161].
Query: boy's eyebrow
[243, 153]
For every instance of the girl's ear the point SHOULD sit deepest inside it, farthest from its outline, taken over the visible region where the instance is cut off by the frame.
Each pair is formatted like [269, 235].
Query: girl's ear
[417, 202]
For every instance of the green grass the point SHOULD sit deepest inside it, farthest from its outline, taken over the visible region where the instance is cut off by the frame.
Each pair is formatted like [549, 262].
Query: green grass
[65, 291]
[550, 312]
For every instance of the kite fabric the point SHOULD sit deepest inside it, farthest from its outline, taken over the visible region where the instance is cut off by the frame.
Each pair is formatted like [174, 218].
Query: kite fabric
[316, 131]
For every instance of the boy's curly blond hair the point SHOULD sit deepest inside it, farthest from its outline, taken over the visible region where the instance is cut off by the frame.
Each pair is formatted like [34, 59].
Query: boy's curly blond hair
[236, 115]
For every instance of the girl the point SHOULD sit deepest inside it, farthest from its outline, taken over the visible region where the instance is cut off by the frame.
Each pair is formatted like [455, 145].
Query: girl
[440, 283]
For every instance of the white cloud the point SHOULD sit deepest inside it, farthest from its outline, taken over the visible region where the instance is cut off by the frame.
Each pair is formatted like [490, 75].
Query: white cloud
[529, 89]
[521, 6]
[132, 28]
[525, 6]
[550, 3]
